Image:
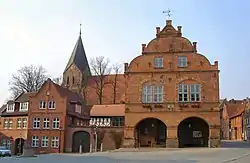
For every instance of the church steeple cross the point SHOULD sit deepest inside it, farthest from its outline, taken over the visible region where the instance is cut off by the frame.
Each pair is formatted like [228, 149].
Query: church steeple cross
[168, 13]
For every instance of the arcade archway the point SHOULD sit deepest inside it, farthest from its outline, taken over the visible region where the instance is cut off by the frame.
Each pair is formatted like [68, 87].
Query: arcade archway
[150, 132]
[81, 139]
[193, 132]
[19, 143]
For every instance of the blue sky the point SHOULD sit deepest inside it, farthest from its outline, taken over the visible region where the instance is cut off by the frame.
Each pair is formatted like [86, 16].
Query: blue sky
[44, 32]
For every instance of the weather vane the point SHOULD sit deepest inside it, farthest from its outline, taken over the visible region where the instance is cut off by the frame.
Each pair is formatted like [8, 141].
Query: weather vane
[80, 29]
[168, 13]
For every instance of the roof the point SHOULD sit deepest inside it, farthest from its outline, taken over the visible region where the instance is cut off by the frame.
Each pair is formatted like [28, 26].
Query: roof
[108, 110]
[235, 108]
[78, 57]
[24, 97]
[3, 108]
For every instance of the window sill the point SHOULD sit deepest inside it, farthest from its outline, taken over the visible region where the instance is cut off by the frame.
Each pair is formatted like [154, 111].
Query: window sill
[158, 67]
[42, 108]
[182, 66]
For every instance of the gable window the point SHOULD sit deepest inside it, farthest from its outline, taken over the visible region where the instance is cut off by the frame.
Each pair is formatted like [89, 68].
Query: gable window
[10, 124]
[10, 107]
[42, 105]
[67, 80]
[182, 61]
[19, 123]
[195, 92]
[52, 105]
[152, 94]
[36, 123]
[78, 108]
[24, 122]
[56, 123]
[6, 124]
[158, 62]
[183, 93]
[73, 80]
[35, 141]
[46, 123]
[55, 142]
[24, 106]
[45, 141]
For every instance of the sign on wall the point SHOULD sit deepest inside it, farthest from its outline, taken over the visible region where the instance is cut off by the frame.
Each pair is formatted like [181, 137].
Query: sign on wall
[197, 134]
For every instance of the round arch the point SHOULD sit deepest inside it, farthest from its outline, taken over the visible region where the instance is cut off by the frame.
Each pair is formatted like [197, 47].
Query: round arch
[19, 143]
[193, 132]
[80, 139]
[150, 132]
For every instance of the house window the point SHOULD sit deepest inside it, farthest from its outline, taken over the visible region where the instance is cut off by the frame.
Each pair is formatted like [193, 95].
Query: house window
[182, 61]
[24, 106]
[10, 124]
[152, 94]
[195, 92]
[35, 141]
[36, 123]
[73, 80]
[10, 107]
[55, 142]
[24, 122]
[67, 80]
[56, 123]
[6, 124]
[158, 62]
[78, 108]
[117, 121]
[42, 105]
[19, 123]
[8, 144]
[52, 105]
[45, 141]
[46, 123]
[183, 93]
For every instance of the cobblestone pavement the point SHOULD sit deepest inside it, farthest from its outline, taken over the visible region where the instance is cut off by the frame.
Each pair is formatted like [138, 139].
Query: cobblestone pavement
[233, 151]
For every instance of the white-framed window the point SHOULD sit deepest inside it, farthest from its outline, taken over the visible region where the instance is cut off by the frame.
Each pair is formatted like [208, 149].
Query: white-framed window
[10, 108]
[35, 141]
[36, 122]
[182, 61]
[46, 123]
[10, 124]
[6, 124]
[152, 94]
[24, 122]
[19, 123]
[195, 92]
[42, 105]
[56, 123]
[8, 144]
[158, 62]
[52, 105]
[183, 93]
[45, 141]
[78, 108]
[24, 106]
[55, 142]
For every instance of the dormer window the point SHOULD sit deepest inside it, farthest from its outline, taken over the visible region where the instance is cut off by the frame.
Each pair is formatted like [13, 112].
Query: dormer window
[42, 105]
[52, 105]
[182, 61]
[78, 108]
[10, 107]
[158, 62]
[24, 106]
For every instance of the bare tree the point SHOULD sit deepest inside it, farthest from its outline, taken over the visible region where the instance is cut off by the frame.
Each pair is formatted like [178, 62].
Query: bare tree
[100, 68]
[58, 80]
[27, 79]
[116, 69]
[82, 87]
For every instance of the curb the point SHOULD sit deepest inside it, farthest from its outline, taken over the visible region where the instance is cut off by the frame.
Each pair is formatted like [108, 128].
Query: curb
[236, 158]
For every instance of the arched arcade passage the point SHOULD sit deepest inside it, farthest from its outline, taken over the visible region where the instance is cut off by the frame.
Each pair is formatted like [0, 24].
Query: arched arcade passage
[80, 139]
[150, 132]
[19, 143]
[193, 132]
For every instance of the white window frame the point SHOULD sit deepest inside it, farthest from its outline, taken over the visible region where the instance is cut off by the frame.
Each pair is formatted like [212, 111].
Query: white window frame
[51, 104]
[10, 124]
[55, 142]
[36, 123]
[19, 123]
[10, 108]
[56, 123]
[35, 141]
[6, 123]
[152, 94]
[182, 92]
[182, 61]
[195, 89]
[24, 106]
[24, 123]
[46, 123]
[45, 141]
[42, 104]
[158, 62]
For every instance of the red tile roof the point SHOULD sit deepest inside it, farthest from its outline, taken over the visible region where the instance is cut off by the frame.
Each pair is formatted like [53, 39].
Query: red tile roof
[108, 110]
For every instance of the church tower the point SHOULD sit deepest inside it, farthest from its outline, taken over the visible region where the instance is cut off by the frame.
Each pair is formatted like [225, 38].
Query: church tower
[77, 70]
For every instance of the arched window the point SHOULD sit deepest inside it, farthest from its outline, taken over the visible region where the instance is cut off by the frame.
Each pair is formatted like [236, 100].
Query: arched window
[152, 94]
[73, 80]
[67, 80]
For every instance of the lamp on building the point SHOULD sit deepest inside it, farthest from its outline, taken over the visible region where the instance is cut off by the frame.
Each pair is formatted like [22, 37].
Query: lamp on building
[189, 125]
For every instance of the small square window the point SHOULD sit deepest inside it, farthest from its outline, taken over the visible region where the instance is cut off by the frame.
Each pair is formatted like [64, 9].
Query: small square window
[182, 61]
[158, 62]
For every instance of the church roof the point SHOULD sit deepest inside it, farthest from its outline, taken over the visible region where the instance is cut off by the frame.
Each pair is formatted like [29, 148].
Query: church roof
[78, 57]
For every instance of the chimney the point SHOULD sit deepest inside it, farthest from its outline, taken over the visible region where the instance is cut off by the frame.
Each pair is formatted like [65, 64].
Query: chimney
[179, 30]
[125, 67]
[143, 47]
[158, 29]
[195, 46]
[169, 22]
